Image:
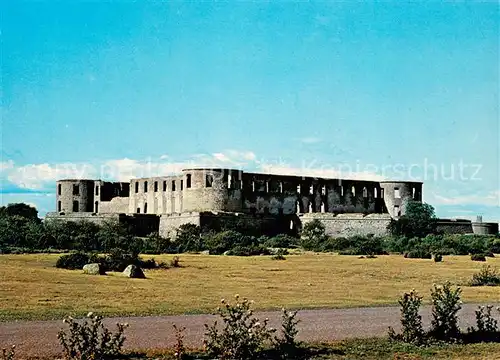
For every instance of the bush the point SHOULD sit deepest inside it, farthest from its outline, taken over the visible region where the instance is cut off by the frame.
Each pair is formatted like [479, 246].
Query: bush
[287, 344]
[411, 321]
[90, 339]
[175, 262]
[418, 254]
[118, 259]
[478, 257]
[9, 354]
[180, 349]
[280, 254]
[313, 235]
[76, 260]
[248, 250]
[487, 276]
[242, 335]
[221, 242]
[438, 257]
[280, 241]
[486, 326]
[445, 306]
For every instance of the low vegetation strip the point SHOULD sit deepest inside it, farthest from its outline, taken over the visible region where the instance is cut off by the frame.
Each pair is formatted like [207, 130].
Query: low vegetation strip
[33, 288]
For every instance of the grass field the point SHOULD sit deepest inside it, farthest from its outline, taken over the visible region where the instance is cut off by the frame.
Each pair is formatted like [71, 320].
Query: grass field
[32, 288]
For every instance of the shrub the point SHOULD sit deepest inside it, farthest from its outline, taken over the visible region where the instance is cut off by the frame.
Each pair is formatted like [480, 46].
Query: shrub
[280, 241]
[411, 321]
[487, 276]
[438, 257]
[478, 257]
[221, 242]
[180, 350]
[76, 260]
[242, 335]
[251, 250]
[280, 254]
[118, 259]
[313, 235]
[445, 306]
[418, 254]
[9, 354]
[175, 262]
[287, 343]
[90, 339]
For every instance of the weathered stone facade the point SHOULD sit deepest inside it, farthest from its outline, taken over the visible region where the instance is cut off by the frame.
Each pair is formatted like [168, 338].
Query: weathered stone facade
[199, 196]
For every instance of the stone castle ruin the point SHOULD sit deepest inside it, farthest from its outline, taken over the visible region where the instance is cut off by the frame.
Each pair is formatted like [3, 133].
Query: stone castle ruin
[217, 198]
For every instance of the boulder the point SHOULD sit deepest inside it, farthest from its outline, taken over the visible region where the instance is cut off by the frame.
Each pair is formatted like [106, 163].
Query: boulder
[133, 271]
[93, 269]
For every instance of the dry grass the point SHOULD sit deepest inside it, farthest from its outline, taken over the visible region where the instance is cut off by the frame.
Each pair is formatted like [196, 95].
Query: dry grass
[32, 288]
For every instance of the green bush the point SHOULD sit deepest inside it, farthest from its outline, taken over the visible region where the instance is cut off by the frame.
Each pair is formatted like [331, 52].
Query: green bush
[487, 276]
[445, 306]
[438, 257]
[418, 254]
[90, 339]
[251, 250]
[411, 321]
[280, 254]
[486, 326]
[287, 344]
[241, 336]
[313, 235]
[280, 241]
[478, 257]
[76, 260]
[9, 354]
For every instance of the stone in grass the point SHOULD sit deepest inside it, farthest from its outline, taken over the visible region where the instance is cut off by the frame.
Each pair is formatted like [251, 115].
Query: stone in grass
[133, 271]
[93, 269]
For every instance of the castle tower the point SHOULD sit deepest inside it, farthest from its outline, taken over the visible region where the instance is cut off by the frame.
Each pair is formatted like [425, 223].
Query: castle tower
[75, 196]
[396, 193]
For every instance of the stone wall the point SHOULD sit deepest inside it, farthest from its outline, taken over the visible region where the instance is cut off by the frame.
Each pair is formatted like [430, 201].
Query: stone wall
[116, 205]
[345, 225]
[84, 216]
[170, 222]
[454, 226]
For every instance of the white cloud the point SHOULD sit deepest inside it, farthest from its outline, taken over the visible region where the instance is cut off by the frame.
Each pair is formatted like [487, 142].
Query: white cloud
[5, 165]
[491, 198]
[36, 176]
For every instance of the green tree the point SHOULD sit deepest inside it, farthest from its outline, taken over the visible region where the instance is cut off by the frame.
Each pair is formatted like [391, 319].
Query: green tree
[313, 235]
[419, 220]
[20, 209]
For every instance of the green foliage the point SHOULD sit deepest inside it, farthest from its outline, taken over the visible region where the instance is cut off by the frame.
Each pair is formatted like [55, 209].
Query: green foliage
[287, 344]
[418, 253]
[9, 354]
[20, 209]
[189, 239]
[281, 241]
[487, 276]
[156, 244]
[313, 235]
[478, 257]
[241, 336]
[411, 321]
[250, 250]
[76, 260]
[180, 349]
[224, 241]
[90, 339]
[280, 254]
[445, 306]
[437, 257]
[419, 221]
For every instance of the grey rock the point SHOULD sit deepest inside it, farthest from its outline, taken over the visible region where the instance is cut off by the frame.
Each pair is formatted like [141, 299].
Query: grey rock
[133, 271]
[93, 269]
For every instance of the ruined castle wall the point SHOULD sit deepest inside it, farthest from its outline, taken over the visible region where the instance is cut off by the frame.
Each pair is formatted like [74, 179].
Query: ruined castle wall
[116, 205]
[277, 194]
[157, 195]
[345, 225]
[98, 219]
[75, 196]
[396, 194]
[170, 222]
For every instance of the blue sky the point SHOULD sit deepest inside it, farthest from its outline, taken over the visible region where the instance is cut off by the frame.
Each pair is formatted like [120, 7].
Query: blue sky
[365, 90]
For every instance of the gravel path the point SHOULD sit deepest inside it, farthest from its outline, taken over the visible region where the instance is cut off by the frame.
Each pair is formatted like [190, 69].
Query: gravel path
[39, 338]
